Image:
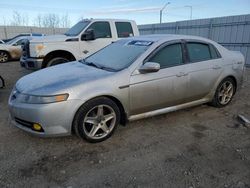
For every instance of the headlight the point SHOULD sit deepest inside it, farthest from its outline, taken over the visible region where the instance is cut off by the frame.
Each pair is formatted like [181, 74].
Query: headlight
[34, 99]
[39, 47]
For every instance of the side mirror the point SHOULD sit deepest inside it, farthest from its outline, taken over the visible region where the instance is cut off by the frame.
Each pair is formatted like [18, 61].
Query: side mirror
[149, 67]
[88, 35]
[15, 44]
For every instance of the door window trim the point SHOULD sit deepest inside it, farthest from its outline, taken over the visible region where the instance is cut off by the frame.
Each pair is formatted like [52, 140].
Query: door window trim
[165, 44]
[102, 22]
[119, 22]
[186, 41]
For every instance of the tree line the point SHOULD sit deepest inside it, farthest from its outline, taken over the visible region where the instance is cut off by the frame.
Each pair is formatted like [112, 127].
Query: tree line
[41, 20]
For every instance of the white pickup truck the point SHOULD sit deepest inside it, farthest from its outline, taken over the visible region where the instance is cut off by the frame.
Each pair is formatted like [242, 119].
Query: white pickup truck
[80, 41]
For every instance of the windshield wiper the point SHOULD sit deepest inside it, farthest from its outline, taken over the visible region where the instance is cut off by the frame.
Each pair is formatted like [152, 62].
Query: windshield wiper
[97, 66]
[89, 63]
[108, 69]
[92, 64]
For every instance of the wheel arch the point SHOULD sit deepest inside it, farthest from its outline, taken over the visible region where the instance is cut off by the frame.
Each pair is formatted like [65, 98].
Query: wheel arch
[234, 79]
[223, 78]
[123, 118]
[58, 53]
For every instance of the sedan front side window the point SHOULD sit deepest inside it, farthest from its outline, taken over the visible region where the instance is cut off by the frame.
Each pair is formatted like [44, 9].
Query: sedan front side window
[169, 56]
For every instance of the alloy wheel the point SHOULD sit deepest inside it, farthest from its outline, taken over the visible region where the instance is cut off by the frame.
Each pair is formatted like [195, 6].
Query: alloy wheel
[3, 57]
[99, 121]
[226, 92]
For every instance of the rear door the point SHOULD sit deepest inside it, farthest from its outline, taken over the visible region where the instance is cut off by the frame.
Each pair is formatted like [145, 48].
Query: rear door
[204, 68]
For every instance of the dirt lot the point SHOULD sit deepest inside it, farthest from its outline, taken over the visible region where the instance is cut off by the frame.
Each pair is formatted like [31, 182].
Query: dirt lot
[197, 147]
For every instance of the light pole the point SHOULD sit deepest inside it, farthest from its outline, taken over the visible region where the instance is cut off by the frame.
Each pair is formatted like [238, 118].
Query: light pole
[162, 11]
[191, 11]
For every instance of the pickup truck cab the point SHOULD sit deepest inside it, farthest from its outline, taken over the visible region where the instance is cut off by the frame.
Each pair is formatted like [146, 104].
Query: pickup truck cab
[80, 41]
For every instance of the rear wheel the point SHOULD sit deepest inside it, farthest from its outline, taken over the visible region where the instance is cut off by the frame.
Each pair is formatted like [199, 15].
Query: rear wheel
[57, 61]
[97, 119]
[4, 57]
[224, 93]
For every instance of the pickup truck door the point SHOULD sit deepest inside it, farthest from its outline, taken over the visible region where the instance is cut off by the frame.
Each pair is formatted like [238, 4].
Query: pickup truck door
[103, 37]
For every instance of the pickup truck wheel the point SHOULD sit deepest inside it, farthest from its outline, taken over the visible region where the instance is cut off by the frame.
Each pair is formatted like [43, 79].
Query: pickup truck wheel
[4, 57]
[57, 61]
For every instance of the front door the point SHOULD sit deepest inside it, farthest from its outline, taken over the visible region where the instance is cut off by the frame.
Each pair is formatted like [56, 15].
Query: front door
[103, 37]
[161, 89]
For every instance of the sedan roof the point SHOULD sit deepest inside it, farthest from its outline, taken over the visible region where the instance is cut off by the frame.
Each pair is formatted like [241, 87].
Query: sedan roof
[167, 37]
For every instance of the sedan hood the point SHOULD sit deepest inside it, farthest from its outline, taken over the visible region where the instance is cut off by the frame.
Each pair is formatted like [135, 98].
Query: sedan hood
[59, 79]
[51, 38]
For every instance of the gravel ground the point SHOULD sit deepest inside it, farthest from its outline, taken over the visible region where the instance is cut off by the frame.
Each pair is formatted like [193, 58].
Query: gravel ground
[197, 147]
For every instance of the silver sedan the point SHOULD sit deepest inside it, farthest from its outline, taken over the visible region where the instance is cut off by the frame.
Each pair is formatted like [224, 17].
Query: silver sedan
[130, 79]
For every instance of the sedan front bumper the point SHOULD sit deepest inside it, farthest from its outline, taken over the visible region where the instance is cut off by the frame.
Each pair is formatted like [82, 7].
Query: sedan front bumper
[55, 118]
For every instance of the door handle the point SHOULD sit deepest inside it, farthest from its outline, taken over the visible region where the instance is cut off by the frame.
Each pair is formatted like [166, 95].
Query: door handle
[181, 74]
[216, 67]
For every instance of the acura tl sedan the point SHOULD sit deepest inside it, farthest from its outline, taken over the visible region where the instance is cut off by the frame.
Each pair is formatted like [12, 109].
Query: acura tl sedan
[130, 79]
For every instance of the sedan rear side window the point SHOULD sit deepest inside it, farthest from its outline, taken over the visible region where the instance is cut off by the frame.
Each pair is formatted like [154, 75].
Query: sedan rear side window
[124, 29]
[169, 56]
[214, 53]
[198, 52]
[19, 42]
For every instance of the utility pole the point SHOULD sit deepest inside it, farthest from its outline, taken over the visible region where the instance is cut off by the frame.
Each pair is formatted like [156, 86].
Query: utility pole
[162, 11]
[191, 11]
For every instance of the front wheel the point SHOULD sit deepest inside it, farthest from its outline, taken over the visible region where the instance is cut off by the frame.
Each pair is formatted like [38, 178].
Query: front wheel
[57, 61]
[224, 93]
[97, 119]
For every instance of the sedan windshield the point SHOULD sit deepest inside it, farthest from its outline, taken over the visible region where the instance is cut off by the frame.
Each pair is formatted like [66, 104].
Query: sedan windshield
[76, 29]
[12, 41]
[118, 55]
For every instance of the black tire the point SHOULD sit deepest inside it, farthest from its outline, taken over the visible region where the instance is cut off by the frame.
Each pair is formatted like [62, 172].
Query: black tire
[57, 61]
[2, 83]
[83, 129]
[217, 100]
[4, 57]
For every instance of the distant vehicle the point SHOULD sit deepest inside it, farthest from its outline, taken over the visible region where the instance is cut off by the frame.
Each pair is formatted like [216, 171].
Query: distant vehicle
[25, 35]
[130, 79]
[82, 40]
[1, 42]
[12, 49]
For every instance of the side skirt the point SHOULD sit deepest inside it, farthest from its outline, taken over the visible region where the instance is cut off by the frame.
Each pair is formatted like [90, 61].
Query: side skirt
[168, 109]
